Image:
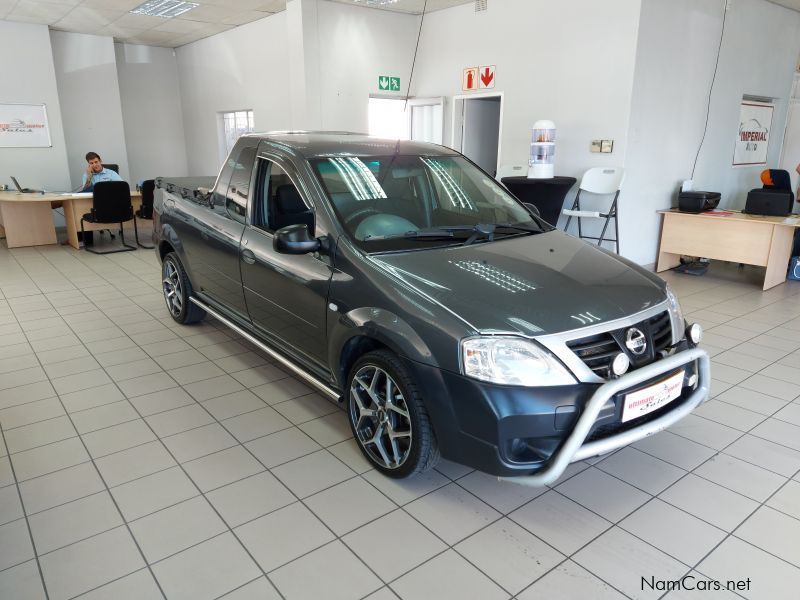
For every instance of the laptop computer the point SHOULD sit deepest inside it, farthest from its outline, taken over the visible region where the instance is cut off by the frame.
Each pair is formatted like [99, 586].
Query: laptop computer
[21, 189]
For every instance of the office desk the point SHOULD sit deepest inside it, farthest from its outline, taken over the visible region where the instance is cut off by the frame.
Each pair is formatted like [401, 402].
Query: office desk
[749, 239]
[27, 219]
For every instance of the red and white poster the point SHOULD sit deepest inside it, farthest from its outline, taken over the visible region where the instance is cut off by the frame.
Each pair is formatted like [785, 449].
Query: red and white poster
[486, 76]
[469, 80]
[24, 126]
[752, 139]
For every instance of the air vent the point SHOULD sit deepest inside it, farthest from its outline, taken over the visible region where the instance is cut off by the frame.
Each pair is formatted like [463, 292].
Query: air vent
[481, 5]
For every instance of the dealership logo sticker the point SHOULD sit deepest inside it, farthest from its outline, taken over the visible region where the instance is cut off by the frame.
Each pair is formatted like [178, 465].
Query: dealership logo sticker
[24, 125]
[752, 137]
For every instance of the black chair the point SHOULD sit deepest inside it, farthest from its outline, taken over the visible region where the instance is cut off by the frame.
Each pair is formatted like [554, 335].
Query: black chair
[112, 166]
[148, 192]
[289, 209]
[111, 203]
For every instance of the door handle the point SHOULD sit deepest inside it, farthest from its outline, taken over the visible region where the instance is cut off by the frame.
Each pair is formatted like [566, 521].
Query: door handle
[248, 256]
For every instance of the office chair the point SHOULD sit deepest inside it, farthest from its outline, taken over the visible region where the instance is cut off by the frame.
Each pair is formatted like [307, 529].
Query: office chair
[601, 181]
[148, 192]
[111, 166]
[111, 203]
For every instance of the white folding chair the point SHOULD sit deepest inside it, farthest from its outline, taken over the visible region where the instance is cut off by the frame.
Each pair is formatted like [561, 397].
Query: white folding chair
[600, 181]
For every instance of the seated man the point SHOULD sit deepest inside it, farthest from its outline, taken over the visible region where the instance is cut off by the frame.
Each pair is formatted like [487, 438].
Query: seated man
[95, 172]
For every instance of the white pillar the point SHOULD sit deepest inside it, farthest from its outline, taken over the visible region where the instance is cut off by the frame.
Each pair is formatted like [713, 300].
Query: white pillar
[304, 67]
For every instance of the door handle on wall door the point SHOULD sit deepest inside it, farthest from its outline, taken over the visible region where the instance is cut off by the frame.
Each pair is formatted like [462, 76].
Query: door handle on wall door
[248, 256]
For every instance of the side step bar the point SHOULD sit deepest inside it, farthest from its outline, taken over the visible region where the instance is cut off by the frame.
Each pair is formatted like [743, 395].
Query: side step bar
[300, 372]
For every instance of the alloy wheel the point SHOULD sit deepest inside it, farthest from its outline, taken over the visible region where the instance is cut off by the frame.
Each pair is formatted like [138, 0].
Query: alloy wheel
[380, 417]
[173, 291]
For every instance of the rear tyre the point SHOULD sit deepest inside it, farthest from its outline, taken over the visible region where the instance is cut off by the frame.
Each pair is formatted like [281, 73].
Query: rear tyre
[388, 416]
[177, 291]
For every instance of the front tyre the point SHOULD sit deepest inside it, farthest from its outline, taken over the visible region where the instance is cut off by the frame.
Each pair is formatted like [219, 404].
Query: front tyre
[388, 417]
[178, 290]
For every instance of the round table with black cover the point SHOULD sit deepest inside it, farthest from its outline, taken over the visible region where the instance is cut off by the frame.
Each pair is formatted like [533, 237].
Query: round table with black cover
[545, 194]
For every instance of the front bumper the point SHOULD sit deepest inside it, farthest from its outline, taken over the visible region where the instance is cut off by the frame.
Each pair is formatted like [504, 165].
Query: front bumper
[476, 423]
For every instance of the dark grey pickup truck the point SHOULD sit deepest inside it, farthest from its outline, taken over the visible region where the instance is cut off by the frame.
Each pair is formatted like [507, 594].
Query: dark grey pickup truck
[400, 279]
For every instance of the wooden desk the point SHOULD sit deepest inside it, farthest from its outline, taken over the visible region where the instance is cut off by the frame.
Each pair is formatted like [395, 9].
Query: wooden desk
[749, 239]
[27, 219]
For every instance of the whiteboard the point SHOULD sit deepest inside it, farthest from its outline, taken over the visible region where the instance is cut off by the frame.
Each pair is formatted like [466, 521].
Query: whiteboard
[24, 126]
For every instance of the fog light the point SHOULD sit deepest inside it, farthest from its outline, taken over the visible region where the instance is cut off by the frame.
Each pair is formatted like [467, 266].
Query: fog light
[695, 333]
[620, 364]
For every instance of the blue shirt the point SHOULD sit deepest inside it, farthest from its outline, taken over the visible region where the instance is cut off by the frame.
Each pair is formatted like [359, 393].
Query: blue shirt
[104, 175]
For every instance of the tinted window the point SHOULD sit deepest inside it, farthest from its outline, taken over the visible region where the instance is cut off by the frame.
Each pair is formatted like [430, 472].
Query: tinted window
[278, 201]
[239, 188]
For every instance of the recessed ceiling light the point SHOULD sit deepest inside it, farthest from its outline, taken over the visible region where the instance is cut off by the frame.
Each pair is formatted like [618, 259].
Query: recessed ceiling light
[375, 2]
[164, 8]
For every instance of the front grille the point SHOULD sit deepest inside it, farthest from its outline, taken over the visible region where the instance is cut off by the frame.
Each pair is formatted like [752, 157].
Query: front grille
[598, 351]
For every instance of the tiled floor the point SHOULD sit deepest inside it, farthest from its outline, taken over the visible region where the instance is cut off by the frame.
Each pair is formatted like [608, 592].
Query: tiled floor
[142, 459]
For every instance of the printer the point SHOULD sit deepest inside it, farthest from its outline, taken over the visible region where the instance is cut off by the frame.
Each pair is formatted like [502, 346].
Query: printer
[696, 202]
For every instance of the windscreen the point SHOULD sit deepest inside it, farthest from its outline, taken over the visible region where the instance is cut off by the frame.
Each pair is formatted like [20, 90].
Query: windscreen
[401, 202]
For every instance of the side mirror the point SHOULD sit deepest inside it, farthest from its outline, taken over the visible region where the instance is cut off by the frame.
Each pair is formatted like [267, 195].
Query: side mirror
[533, 209]
[295, 239]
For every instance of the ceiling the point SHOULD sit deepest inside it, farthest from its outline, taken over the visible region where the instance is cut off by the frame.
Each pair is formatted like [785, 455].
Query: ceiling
[113, 18]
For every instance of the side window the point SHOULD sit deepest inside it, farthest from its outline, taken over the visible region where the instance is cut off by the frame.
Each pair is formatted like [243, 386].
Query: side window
[278, 201]
[239, 188]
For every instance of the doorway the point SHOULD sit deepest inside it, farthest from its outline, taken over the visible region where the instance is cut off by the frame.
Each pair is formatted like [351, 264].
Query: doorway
[477, 122]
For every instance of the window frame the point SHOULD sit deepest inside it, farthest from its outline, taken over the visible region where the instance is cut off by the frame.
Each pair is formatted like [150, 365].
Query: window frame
[291, 173]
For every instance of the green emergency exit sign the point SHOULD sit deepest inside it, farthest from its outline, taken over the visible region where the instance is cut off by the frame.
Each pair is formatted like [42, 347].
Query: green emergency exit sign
[388, 84]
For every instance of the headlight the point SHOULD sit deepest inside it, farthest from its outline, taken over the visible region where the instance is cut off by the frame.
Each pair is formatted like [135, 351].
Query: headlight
[512, 361]
[676, 315]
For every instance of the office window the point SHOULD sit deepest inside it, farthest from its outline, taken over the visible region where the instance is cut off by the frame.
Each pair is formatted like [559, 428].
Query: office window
[234, 124]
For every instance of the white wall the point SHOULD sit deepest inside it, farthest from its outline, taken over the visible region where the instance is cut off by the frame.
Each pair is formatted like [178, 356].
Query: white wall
[674, 65]
[26, 62]
[151, 111]
[88, 89]
[571, 62]
[243, 68]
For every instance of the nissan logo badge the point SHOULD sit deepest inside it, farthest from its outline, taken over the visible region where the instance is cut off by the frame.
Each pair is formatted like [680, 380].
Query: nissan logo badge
[635, 341]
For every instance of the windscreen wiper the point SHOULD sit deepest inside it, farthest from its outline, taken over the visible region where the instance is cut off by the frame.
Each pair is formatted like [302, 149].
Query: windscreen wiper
[486, 230]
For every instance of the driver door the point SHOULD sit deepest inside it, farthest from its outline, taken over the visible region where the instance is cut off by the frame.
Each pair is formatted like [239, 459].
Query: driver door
[286, 294]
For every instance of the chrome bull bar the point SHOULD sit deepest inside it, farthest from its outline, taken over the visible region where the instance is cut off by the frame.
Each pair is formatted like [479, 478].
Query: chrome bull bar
[574, 448]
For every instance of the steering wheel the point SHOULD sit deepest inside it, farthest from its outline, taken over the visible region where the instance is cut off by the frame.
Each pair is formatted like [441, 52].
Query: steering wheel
[361, 212]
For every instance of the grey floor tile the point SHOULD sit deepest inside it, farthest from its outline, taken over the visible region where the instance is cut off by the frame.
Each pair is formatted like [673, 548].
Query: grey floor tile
[256, 424]
[32, 412]
[195, 373]
[72, 366]
[136, 586]
[312, 473]
[127, 465]
[619, 558]
[706, 432]
[177, 360]
[202, 441]
[779, 432]
[211, 388]
[250, 498]
[49, 357]
[785, 390]
[739, 476]
[180, 419]
[349, 505]
[260, 589]
[47, 459]
[764, 453]
[118, 437]
[257, 376]
[752, 400]
[39, 434]
[16, 544]
[730, 415]
[173, 529]
[281, 390]
[40, 390]
[146, 384]
[86, 565]
[281, 447]
[710, 502]
[609, 497]
[22, 582]
[154, 492]
[773, 532]
[17, 362]
[80, 381]
[331, 572]
[509, 554]
[62, 486]
[222, 468]
[306, 408]
[349, 453]
[787, 499]
[161, 401]
[452, 513]
[503, 496]
[132, 370]
[10, 506]
[101, 417]
[673, 531]
[121, 356]
[569, 581]
[240, 362]
[369, 543]
[641, 470]
[91, 398]
[770, 577]
[464, 581]
[403, 491]
[330, 429]
[283, 535]
[218, 565]
[74, 521]
[231, 405]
